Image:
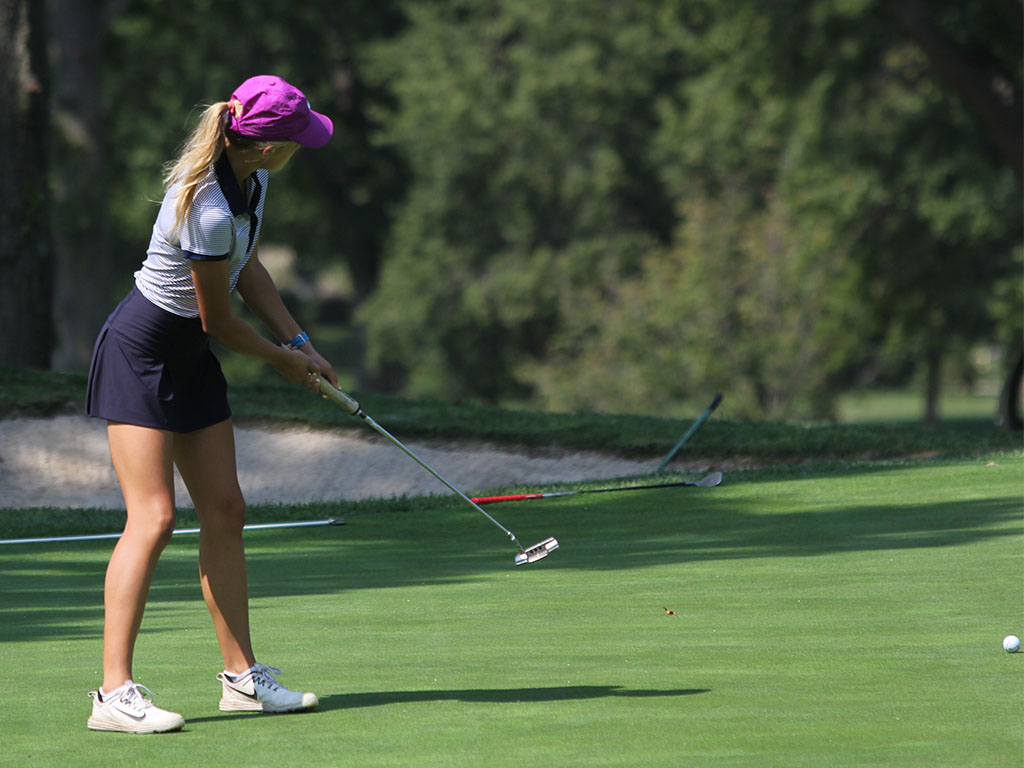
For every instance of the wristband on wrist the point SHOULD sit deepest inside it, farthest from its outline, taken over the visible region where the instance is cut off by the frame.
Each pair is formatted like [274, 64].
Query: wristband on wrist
[298, 341]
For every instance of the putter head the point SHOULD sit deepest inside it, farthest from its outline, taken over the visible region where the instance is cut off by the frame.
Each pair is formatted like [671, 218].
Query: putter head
[537, 552]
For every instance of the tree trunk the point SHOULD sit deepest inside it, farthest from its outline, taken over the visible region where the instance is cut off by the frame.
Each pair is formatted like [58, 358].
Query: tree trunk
[1010, 398]
[83, 291]
[933, 384]
[26, 253]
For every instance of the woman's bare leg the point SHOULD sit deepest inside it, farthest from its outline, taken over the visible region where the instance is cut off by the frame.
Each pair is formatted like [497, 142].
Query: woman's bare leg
[142, 461]
[206, 461]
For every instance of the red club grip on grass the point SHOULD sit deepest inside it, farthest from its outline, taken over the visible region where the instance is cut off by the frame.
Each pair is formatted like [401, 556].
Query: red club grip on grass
[514, 497]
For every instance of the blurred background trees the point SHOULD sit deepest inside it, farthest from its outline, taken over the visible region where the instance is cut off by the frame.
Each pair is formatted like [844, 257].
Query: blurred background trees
[26, 252]
[587, 204]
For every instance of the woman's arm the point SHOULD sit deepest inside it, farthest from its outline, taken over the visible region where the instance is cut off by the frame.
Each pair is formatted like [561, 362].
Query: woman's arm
[212, 283]
[260, 294]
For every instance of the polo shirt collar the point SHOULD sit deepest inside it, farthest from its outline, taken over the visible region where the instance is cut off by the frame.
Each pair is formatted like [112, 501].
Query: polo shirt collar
[230, 189]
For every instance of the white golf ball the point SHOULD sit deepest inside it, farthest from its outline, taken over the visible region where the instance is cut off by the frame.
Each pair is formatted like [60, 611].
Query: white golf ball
[1011, 643]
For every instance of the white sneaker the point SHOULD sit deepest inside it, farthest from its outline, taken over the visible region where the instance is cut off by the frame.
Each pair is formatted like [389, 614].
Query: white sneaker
[257, 690]
[128, 710]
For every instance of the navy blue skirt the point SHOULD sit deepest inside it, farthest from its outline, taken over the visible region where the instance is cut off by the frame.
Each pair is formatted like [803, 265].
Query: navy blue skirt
[153, 368]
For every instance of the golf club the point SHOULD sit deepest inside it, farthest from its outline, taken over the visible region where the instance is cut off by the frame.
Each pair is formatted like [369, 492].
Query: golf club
[710, 481]
[689, 433]
[176, 532]
[538, 551]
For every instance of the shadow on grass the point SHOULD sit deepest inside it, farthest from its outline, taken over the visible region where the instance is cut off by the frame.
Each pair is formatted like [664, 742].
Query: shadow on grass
[496, 695]
[340, 701]
[57, 590]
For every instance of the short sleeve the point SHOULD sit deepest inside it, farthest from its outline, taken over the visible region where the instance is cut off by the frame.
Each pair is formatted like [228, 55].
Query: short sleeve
[207, 233]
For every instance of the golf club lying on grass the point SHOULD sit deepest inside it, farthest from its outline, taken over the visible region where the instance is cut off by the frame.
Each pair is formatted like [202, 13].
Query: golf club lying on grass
[689, 433]
[175, 532]
[710, 481]
[533, 554]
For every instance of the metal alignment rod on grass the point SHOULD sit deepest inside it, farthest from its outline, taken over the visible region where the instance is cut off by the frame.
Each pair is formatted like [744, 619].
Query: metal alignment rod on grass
[176, 532]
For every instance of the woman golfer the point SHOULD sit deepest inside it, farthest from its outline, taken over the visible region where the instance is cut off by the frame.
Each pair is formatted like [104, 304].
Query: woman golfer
[158, 385]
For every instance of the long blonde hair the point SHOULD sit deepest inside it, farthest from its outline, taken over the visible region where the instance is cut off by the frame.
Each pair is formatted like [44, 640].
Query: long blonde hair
[201, 150]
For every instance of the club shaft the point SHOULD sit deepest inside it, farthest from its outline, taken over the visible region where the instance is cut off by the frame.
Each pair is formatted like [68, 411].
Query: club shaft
[361, 414]
[346, 401]
[689, 433]
[552, 494]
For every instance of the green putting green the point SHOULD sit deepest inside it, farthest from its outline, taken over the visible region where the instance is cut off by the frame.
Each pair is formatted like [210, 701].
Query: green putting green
[843, 616]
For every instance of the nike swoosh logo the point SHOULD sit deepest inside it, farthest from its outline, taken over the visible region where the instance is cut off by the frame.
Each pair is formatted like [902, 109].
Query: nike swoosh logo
[132, 715]
[249, 695]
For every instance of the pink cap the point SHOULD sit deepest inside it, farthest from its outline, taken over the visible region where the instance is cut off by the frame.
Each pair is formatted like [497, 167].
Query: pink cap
[273, 110]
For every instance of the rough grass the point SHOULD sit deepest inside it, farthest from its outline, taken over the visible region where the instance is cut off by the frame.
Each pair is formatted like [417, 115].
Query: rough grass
[28, 392]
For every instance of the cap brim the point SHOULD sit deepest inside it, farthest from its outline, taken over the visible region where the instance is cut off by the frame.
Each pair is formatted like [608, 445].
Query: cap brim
[317, 133]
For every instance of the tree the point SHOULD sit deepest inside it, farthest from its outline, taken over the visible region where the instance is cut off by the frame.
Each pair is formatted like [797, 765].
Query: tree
[982, 68]
[531, 189]
[796, 171]
[79, 29]
[909, 162]
[984, 72]
[26, 254]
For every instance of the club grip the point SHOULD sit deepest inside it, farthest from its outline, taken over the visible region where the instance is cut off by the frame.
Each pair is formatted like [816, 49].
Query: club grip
[330, 392]
[514, 497]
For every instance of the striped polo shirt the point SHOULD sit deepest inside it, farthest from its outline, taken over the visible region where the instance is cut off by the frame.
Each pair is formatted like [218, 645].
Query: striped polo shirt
[221, 225]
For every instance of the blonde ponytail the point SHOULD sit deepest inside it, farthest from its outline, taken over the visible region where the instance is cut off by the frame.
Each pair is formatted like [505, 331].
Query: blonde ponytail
[200, 151]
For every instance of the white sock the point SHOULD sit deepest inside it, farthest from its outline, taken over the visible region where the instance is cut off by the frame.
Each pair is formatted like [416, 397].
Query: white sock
[104, 695]
[235, 678]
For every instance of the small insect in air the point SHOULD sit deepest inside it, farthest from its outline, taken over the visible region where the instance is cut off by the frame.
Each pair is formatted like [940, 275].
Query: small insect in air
[670, 612]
